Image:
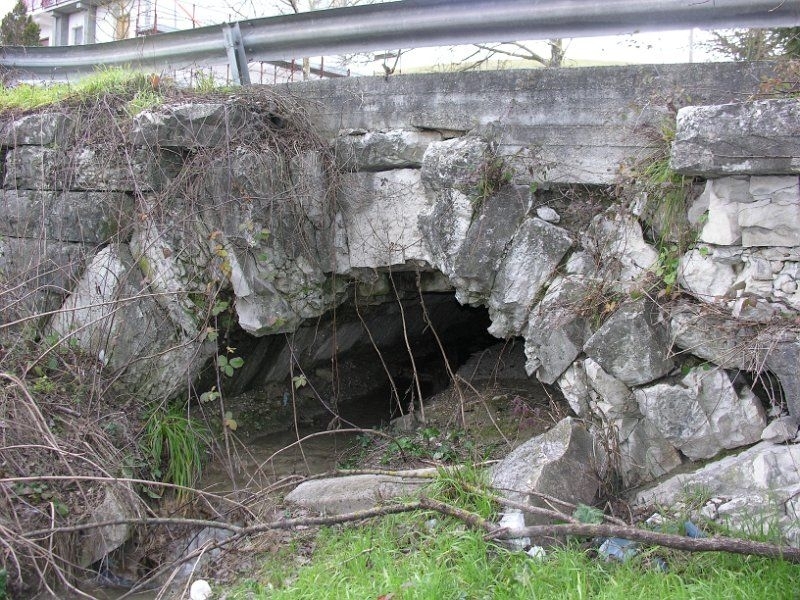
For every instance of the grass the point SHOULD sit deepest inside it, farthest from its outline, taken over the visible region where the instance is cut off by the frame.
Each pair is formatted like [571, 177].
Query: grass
[139, 86]
[408, 557]
[176, 446]
[428, 556]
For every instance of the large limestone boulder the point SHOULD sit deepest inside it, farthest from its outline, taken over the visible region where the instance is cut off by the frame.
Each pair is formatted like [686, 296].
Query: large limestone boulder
[446, 227]
[751, 138]
[112, 315]
[633, 345]
[557, 328]
[340, 495]
[757, 486]
[531, 261]
[485, 243]
[703, 413]
[565, 462]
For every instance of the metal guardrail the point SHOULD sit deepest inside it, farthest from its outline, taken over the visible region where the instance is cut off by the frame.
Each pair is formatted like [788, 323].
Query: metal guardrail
[405, 24]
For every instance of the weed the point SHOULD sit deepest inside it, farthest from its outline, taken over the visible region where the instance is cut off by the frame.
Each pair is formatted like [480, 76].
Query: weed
[175, 445]
[492, 176]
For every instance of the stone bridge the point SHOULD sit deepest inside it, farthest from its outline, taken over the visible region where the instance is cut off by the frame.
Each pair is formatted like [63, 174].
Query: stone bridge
[309, 223]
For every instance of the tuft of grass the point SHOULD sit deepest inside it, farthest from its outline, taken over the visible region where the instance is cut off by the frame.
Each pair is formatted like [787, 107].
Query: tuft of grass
[175, 444]
[141, 87]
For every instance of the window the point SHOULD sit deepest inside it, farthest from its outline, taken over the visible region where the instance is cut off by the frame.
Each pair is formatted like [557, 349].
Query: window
[77, 35]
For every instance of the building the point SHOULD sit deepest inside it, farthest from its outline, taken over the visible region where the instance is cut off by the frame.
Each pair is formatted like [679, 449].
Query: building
[76, 22]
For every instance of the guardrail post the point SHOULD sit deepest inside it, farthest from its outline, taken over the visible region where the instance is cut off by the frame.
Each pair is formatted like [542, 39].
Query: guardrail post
[237, 58]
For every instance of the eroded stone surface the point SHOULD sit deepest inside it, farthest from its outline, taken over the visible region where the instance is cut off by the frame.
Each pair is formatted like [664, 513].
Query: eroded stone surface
[564, 462]
[703, 414]
[751, 138]
[633, 345]
[340, 495]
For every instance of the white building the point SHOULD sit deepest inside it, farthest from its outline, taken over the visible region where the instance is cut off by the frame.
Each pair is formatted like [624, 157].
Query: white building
[76, 22]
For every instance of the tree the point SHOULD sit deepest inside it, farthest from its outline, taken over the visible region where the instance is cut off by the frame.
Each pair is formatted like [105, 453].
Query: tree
[757, 44]
[18, 29]
[486, 52]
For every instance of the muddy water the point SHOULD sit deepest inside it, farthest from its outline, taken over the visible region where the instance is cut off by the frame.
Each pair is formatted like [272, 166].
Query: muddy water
[265, 459]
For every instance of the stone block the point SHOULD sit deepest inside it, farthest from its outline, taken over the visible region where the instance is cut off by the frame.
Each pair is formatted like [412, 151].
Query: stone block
[575, 387]
[87, 217]
[341, 495]
[89, 168]
[381, 151]
[381, 217]
[36, 168]
[617, 243]
[706, 278]
[565, 462]
[36, 275]
[191, 125]
[644, 453]
[722, 340]
[458, 163]
[112, 315]
[783, 358]
[751, 138]
[773, 218]
[535, 252]
[37, 129]
[633, 345]
[609, 397]
[724, 197]
[486, 242]
[764, 470]
[557, 328]
[703, 414]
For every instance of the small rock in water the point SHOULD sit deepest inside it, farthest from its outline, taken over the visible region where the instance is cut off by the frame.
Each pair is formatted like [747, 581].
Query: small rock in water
[200, 590]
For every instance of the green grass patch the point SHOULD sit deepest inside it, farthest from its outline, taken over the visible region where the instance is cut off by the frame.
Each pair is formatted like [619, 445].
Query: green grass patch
[175, 445]
[140, 87]
[424, 556]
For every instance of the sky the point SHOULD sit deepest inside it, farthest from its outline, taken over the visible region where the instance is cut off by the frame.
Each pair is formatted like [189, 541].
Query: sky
[663, 47]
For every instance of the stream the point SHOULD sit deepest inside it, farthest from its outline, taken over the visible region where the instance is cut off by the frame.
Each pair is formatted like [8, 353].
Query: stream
[260, 460]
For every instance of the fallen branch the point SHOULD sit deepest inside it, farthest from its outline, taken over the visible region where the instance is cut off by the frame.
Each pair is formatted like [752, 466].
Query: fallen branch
[668, 540]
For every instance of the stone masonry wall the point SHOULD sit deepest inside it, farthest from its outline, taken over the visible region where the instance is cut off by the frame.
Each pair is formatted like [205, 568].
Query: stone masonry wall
[497, 184]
